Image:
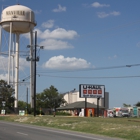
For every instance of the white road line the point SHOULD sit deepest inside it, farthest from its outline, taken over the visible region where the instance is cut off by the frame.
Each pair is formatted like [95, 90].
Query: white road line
[22, 133]
[50, 130]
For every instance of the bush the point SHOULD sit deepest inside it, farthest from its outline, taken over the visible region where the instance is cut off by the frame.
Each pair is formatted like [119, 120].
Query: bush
[37, 112]
[63, 113]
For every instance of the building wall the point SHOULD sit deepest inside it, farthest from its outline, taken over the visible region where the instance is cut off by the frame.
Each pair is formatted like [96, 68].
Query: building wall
[72, 97]
[106, 103]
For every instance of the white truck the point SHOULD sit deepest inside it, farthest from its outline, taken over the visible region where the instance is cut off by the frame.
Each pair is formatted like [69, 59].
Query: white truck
[121, 112]
[124, 112]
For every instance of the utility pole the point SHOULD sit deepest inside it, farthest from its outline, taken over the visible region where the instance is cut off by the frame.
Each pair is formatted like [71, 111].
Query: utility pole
[34, 58]
[35, 74]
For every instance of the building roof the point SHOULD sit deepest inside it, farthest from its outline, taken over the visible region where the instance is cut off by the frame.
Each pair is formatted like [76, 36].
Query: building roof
[77, 105]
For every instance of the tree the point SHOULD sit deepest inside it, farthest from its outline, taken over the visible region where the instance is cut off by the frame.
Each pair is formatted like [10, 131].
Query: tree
[137, 104]
[22, 104]
[49, 98]
[126, 105]
[6, 94]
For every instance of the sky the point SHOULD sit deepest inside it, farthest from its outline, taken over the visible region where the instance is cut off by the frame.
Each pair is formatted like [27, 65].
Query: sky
[85, 42]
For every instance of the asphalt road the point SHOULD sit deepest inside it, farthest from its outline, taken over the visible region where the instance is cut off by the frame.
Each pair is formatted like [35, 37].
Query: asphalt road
[18, 131]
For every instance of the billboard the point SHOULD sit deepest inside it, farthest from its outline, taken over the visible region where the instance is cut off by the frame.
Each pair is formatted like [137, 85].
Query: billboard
[91, 91]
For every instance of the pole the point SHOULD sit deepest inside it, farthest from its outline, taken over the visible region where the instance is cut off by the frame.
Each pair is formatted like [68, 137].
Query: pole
[13, 58]
[31, 70]
[85, 105]
[9, 59]
[16, 71]
[104, 99]
[98, 106]
[35, 74]
[0, 38]
[27, 100]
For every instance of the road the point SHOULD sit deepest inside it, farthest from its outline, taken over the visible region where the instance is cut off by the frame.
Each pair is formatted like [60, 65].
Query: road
[18, 131]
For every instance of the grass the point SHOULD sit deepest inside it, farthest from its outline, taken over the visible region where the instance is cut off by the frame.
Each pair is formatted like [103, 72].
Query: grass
[126, 128]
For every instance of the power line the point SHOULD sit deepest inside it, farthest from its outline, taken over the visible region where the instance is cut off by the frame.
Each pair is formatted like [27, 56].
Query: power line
[40, 73]
[76, 77]
[90, 69]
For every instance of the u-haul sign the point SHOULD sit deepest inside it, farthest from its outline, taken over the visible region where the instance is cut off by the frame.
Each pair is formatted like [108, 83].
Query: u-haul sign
[91, 91]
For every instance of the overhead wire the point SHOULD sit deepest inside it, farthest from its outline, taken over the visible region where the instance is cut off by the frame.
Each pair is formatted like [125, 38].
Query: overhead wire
[76, 77]
[101, 68]
[90, 69]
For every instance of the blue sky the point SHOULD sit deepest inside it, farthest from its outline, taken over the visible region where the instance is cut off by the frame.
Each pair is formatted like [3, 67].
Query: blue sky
[85, 42]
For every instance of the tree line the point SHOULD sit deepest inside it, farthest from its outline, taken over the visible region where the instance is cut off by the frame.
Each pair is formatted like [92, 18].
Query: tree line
[128, 105]
[49, 98]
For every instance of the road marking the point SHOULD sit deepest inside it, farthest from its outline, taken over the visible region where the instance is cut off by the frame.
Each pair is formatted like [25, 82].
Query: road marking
[22, 133]
[56, 131]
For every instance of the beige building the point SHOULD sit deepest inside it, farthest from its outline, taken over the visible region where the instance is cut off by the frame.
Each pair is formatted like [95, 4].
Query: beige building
[73, 96]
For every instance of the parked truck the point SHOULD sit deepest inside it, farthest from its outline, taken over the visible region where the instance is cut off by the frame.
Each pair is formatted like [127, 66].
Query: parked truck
[121, 112]
[124, 112]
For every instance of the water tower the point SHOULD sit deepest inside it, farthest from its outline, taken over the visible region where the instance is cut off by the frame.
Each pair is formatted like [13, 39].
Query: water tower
[16, 20]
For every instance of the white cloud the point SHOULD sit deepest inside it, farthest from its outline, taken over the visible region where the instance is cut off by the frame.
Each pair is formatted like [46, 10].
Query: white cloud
[60, 62]
[38, 11]
[23, 63]
[58, 33]
[52, 44]
[4, 77]
[86, 5]
[4, 66]
[114, 13]
[52, 40]
[97, 5]
[48, 24]
[59, 9]
[4, 63]
[113, 57]
[104, 14]
[138, 44]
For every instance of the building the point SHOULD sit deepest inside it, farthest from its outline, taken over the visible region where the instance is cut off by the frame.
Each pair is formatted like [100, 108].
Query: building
[85, 106]
[73, 96]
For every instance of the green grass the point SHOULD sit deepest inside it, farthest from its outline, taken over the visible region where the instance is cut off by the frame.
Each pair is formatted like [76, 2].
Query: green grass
[126, 128]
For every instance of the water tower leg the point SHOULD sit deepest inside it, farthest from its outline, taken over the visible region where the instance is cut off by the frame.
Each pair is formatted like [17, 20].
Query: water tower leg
[9, 61]
[0, 37]
[16, 72]
[13, 58]
[31, 70]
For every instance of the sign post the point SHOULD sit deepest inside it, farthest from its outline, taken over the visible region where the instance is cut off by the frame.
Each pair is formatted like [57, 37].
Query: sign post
[98, 107]
[85, 106]
[3, 110]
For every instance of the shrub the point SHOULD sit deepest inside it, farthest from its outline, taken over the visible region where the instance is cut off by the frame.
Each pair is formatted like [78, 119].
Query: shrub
[63, 113]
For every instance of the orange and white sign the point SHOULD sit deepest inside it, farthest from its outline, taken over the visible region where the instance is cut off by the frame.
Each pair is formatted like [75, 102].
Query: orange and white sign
[91, 91]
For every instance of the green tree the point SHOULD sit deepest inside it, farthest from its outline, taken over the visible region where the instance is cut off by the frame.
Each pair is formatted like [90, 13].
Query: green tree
[126, 105]
[22, 104]
[137, 104]
[49, 98]
[6, 94]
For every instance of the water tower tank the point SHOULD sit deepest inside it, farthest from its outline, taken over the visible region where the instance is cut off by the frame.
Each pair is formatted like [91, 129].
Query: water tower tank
[22, 18]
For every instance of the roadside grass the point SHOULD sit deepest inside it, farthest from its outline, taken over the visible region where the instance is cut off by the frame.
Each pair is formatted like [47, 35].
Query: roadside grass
[125, 128]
